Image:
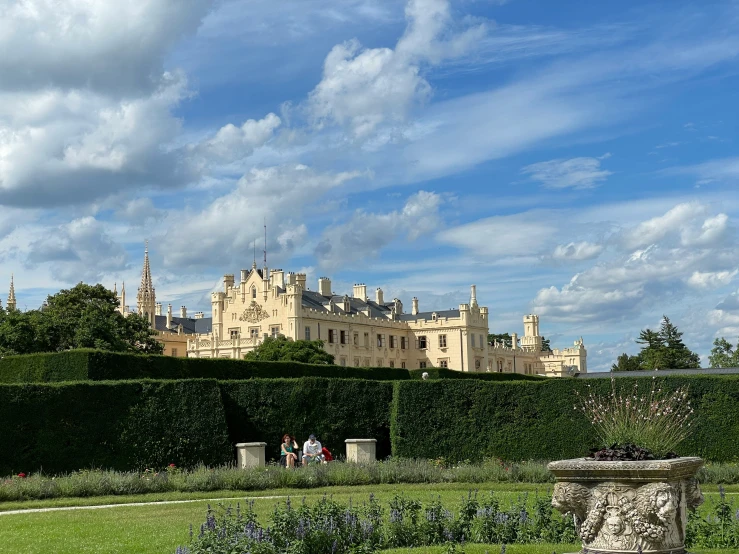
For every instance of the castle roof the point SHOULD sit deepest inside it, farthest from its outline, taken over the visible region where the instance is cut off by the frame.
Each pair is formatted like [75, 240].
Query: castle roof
[427, 316]
[190, 326]
[316, 301]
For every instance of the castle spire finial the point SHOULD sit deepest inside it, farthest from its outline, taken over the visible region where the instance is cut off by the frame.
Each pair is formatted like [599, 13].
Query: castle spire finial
[11, 295]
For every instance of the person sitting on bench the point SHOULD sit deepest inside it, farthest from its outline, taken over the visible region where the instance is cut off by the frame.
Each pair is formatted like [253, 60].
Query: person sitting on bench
[288, 452]
[312, 451]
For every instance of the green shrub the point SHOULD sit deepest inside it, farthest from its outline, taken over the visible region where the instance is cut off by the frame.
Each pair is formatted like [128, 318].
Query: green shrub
[98, 365]
[472, 419]
[333, 409]
[123, 425]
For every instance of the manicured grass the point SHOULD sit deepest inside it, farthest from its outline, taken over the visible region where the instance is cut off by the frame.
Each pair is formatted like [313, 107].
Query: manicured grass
[524, 549]
[160, 528]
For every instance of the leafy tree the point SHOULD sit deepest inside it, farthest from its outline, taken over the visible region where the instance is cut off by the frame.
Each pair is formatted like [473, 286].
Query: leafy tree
[662, 349]
[627, 363]
[545, 346]
[723, 354]
[84, 316]
[505, 337]
[284, 349]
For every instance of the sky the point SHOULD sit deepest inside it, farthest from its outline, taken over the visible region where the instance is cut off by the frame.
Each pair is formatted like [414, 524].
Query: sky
[573, 159]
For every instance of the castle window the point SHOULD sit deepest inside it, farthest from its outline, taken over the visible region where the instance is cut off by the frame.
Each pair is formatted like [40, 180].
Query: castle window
[234, 333]
[402, 365]
[482, 341]
[342, 362]
[254, 333]
[356, 339]
[392, 363]
[380, 341]
[307, 333]
[444, 363]
[421, 365]
[254, 292]
[472, 338]
[275, 332]
[366, 340]
[174, 352]
[421, 343]
[393, 341]
[356, 362]
[403, 343]
[332, 336]
[344, 336]
[442, 342]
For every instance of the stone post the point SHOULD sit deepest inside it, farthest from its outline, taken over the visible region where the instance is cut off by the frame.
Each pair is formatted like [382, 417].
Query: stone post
[361, 450]
[250, 454]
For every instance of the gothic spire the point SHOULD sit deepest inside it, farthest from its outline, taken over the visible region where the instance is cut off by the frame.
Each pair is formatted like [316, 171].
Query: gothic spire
[11, 295]
[146, 299]
[146, 283]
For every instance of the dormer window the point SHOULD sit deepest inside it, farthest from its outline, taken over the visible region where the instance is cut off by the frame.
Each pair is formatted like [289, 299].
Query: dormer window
[254, 292]
[433, 316]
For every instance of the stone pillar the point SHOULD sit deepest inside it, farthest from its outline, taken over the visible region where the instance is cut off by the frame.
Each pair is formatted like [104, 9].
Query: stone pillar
[361, 450]
[250, 454]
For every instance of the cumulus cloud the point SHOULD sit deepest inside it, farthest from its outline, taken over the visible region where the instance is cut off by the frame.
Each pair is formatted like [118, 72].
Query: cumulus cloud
[658, 258]
[232, 143]
[711, 279]
[364, 88]
[68, 44]
[78, 250]
[223, 232]
[577, 173]
[577, 251]
[365, 234]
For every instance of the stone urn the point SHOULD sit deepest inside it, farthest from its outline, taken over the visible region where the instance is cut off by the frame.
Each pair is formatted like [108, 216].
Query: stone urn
[622, 507]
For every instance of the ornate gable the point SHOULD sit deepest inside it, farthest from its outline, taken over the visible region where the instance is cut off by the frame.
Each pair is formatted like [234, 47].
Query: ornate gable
[254, 313]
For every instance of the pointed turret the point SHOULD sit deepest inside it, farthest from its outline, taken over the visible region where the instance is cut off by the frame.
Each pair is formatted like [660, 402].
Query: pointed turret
[146, 299]
[11, 295]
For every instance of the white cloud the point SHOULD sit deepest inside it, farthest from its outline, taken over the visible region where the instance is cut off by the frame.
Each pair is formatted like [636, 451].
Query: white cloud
[72, 44]
[577, 251]
[365, 88]
[724, 170]
[232, 143]
[223, 233]
[578, 173]
[366, 234]
[711, 279]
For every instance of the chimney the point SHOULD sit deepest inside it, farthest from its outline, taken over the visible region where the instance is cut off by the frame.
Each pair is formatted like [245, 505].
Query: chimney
[324, 286]
[398, 306]
[360, 291]
[379, 298]
[158, 309]
[514, 341]
[169, 316]
[228, 282]
[414, 306]
[183, 312]
[473, 296]
[300, 279]
[199, 315]
[277, 277]
[244, 275]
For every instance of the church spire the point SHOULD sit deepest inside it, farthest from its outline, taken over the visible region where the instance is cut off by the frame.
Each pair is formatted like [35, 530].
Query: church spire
[11, 295]
[146, 298]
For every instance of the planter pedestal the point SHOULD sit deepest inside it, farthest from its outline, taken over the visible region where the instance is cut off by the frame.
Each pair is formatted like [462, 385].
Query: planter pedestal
[628, 507]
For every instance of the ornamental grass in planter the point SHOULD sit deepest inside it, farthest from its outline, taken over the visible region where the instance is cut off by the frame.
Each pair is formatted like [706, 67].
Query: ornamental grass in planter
[633, 493]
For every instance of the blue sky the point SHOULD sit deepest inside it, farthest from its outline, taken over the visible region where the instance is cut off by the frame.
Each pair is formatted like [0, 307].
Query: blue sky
[572, 159]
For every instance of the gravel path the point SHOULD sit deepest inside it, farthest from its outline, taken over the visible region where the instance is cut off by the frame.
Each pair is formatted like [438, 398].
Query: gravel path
[100, 507]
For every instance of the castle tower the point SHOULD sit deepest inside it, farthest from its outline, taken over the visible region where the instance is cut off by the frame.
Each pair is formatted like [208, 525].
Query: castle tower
[531, 338]
[11, 295]
[146, 299]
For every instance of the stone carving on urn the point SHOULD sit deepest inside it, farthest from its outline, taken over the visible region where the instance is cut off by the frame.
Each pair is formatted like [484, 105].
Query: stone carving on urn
[254, 313]
[626, 513]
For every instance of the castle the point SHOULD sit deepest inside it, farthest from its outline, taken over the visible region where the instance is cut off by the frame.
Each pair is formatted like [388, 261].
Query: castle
[357, 330]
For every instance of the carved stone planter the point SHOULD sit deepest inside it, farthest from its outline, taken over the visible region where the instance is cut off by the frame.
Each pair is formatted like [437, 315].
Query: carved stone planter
[622, 507]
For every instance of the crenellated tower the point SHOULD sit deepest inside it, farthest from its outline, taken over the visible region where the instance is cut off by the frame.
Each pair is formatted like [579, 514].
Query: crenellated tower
[11, 295]
[146, 298]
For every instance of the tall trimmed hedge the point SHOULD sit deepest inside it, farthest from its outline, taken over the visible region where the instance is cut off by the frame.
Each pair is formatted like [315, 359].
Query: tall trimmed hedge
[333, 409]
[123, 425]
[521, 420]
[98, 365]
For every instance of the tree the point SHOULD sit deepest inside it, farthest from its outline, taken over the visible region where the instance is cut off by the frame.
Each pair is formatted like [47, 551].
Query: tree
[85, 316]
[283, 349]
[627, 363]
[663, 349]
[723, 354]
[504, 337]
[545, 346]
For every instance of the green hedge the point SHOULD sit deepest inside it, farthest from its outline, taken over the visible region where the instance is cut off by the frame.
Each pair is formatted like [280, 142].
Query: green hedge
[97, 365]
[333, 409]
[471, 420]
[123, 425]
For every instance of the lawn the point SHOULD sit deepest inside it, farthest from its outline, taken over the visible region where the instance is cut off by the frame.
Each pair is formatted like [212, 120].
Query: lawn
[160, 528]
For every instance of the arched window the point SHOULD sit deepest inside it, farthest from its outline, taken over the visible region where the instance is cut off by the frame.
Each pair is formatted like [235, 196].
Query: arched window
[254, 292]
